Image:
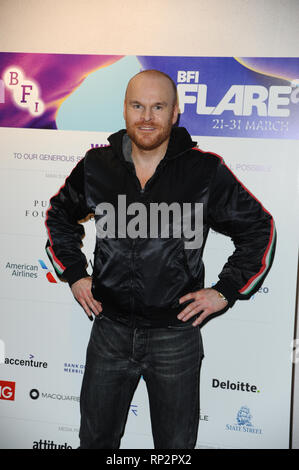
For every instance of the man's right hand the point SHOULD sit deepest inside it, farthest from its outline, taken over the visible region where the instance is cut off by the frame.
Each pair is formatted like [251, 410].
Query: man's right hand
[82, 292]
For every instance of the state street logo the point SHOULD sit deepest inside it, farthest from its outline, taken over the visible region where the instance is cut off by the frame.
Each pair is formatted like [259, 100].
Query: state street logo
[244, 422]
[244, 417]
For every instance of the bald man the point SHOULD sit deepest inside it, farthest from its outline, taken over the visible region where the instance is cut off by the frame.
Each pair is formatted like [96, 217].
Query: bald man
[154, 196]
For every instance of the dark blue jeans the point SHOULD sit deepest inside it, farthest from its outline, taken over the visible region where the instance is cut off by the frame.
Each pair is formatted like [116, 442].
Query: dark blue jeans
[168, 358]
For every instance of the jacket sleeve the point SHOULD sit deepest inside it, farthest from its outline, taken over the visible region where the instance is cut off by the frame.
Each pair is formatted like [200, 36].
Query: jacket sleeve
[235, 212]
[65, 233]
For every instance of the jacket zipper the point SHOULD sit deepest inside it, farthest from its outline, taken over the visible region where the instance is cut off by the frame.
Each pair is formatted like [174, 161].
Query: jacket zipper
[141, 191]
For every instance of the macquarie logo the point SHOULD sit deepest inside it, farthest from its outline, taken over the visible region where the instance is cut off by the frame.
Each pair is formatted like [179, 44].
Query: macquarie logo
[7, 390]
[235, 386]
[35, 394]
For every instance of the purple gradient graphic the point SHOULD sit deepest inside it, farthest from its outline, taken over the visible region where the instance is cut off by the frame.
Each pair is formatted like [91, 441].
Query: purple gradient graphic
[254, 97]
[57, 75]
[274, 66]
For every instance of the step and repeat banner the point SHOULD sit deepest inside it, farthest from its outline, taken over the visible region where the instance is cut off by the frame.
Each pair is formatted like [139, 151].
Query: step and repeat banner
[53, 108]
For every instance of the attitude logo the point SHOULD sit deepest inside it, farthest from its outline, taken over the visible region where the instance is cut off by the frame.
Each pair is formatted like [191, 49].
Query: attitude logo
[243, 422]
[48, 274]
[26, 93]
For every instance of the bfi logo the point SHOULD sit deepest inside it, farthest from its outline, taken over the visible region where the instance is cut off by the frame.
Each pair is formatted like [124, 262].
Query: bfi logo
[26, 93]
[7, 390]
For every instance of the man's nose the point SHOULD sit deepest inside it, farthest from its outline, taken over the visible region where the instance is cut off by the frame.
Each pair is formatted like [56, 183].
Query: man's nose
[147, 113]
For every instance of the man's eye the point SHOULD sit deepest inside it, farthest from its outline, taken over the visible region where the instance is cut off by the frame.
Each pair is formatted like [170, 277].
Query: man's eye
[158, 107]
[136, 106]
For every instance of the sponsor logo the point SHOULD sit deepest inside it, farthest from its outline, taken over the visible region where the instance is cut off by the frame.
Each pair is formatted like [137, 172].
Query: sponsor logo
[35, 394]
[30, 271]
[262, 290]
[203, 417]
[72, 368]
[243, 422]
[25, 270]
[48, 274]
[235, 386]
[47, 444]
[239, 99]
[134, 409]
[25, 92]
[7, 390]
[38, 209]
[31, 362]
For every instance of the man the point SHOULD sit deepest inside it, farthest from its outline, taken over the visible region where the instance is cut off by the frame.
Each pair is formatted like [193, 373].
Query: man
[147, 288]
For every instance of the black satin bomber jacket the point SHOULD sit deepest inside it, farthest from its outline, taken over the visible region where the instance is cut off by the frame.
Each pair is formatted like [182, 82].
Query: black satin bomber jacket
[140, 280]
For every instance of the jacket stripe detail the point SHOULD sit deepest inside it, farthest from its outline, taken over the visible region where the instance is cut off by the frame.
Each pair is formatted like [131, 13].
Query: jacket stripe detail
[267, 257]
[56, 263]
[59, 267]
[265, 263]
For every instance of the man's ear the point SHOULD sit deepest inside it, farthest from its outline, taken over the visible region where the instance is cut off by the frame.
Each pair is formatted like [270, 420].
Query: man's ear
[175, 114]
[124, 110]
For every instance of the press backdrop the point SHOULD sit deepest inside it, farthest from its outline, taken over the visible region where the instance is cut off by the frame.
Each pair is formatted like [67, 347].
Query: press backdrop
[53, 107]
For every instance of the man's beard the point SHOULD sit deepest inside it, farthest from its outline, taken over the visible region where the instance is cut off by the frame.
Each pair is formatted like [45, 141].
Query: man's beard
[149, 142]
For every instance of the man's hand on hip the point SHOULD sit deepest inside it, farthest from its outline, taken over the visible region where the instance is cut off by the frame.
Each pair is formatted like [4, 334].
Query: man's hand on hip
[82, 292]
[207, 301]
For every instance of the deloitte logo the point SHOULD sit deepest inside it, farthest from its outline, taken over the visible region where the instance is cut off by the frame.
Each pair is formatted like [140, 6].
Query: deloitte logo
[235, 386]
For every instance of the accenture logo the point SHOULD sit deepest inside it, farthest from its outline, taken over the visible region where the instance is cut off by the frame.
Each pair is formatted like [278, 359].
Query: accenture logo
[235, 386]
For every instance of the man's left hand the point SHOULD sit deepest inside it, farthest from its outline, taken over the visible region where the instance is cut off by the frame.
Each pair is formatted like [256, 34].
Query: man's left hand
[206, 301]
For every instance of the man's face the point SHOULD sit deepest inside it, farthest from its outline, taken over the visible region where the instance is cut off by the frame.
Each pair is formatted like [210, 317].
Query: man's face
[149, 111]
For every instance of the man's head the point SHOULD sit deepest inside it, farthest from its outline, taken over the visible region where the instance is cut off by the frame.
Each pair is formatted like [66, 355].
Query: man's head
[150, 109]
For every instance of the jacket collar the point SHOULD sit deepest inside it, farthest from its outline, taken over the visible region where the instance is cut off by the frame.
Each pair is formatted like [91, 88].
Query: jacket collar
[180, 141]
